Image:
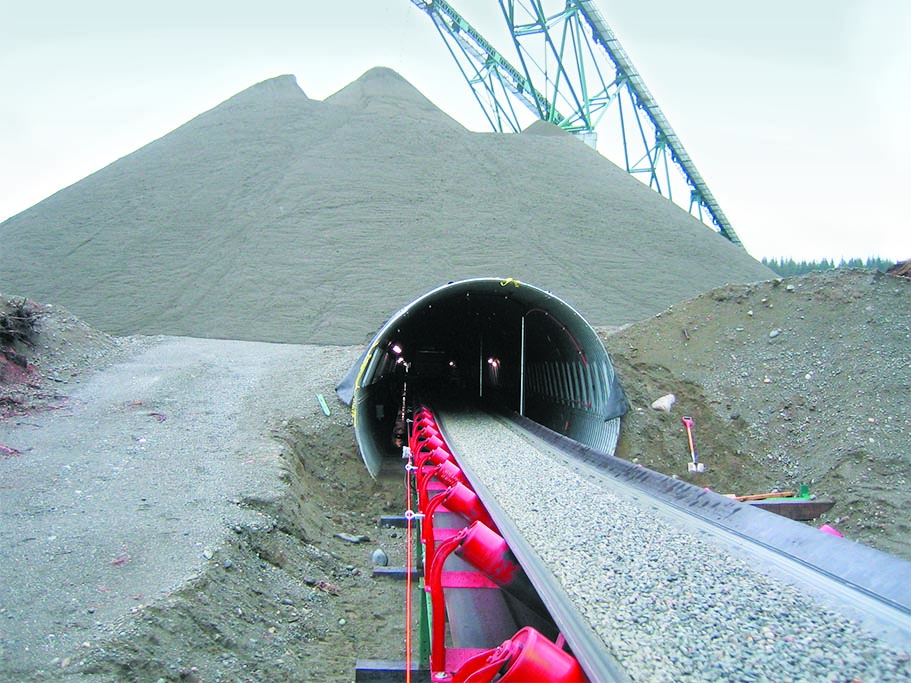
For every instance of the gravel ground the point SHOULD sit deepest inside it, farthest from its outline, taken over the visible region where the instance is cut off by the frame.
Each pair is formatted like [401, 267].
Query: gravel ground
[669, 605]
[169, 510]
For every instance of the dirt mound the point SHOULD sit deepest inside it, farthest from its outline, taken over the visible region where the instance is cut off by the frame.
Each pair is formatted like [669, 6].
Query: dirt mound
[789, 382]
[901, 268]
[54, 348]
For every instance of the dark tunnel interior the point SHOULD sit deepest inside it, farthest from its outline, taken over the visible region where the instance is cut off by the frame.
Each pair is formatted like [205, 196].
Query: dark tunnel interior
[508, 345]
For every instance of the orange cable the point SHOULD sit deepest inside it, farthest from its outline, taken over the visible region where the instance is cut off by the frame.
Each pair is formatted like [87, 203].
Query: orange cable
[408, 564]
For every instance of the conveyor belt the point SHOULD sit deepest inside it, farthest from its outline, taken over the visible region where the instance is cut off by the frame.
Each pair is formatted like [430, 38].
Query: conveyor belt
[522, 473]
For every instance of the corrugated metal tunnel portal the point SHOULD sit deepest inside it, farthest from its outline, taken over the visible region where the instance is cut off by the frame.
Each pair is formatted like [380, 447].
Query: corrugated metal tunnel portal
[509, 345]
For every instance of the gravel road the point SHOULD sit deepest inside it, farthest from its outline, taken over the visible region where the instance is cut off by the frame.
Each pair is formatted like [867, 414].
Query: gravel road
[119, 496]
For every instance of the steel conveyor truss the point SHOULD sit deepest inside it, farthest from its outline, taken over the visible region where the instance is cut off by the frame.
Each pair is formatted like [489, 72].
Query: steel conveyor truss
[572, 71]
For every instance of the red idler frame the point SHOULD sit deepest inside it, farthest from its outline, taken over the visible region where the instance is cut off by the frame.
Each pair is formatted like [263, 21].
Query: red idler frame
[423, 412]
[434, 449]
[459, 499]
[428, 447]
[436, 456]
[434, 585]
[485, 549]
[426, 467]
[447, 472]
[424, 421]
[527, 656]
[420, 433]
[427, 537]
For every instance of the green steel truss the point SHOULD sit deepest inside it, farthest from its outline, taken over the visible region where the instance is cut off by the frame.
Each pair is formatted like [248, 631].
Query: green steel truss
[573, 72]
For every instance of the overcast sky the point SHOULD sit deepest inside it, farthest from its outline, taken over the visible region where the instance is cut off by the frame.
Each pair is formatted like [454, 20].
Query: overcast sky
[793, 112]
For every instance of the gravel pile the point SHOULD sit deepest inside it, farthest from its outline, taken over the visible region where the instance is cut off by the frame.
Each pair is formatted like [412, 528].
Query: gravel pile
[275, 217]
[668, 605]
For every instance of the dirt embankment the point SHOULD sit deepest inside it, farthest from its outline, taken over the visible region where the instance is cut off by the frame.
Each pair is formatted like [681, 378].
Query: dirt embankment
[285, 600]
[796, 381]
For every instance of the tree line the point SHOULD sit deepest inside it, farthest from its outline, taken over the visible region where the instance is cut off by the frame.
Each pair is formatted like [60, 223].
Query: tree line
[789, 267]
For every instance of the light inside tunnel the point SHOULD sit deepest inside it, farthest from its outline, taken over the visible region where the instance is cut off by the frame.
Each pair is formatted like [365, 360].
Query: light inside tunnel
[510, 345]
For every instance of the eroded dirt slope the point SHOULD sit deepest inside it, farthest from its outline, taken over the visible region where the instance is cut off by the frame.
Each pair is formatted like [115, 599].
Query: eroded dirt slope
[796, 381]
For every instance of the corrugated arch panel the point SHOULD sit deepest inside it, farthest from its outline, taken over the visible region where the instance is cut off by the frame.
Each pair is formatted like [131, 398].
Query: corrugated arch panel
[497, 340]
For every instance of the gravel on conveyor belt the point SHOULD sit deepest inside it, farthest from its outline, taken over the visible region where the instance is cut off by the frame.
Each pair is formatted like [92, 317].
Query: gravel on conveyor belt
[668, 605]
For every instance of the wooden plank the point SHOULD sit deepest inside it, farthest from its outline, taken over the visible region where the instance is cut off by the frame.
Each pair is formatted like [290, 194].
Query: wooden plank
[764, 496]
[800, 509]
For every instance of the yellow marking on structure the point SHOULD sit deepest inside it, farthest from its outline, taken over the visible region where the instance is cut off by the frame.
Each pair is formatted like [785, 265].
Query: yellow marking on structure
[509, 281]
[357, 383]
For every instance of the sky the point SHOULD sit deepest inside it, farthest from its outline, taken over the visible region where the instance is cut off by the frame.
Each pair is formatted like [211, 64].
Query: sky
[793, 112]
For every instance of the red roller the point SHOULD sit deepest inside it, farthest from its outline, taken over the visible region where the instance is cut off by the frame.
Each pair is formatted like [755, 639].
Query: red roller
[449, 473]
[528, 656]
[488, 551]
[427, 446]
[465, 502]
[420, 435]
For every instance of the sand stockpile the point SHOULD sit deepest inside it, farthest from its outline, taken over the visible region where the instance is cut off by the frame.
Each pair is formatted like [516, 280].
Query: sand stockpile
[275, 217]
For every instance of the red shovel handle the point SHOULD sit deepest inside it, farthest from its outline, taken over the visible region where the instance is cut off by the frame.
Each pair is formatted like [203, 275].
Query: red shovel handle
[688, 423]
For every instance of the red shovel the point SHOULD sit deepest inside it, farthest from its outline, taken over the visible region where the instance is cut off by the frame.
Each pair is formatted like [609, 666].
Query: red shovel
[694, 466]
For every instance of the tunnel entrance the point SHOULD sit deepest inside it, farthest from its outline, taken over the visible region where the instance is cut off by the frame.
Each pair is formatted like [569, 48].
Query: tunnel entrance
[510, 345]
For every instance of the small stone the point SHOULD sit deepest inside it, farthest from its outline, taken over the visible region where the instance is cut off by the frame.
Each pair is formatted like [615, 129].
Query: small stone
[774, 333]
[380, 558]
[342, 621]
[665, 403]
